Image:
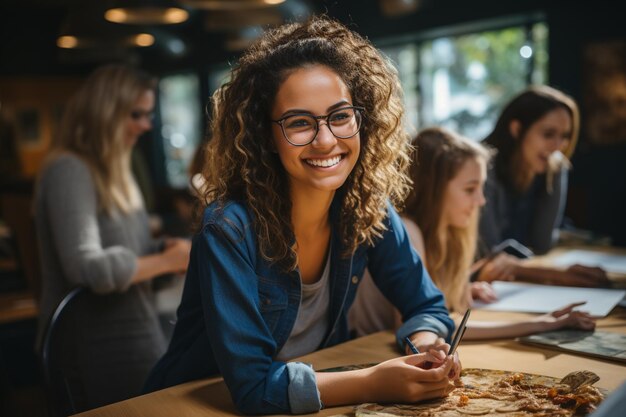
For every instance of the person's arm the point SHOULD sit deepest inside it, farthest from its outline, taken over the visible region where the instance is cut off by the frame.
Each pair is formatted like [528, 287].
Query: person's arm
[566, 317]
[400, 380]
[490, 224]
[236, 301]
[548, 215]
[399, 273]
[574, 276]
[71, 210]
[416, 238]
[173, 259]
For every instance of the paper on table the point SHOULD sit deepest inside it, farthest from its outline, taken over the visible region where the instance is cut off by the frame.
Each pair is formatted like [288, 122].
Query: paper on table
[610, 262]
[535, 298]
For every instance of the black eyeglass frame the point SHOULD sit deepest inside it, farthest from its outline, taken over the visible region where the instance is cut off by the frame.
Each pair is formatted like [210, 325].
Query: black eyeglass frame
[358, 109]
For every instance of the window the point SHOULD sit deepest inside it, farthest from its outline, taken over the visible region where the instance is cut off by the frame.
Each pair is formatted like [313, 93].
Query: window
[462, 82]
[180, 125]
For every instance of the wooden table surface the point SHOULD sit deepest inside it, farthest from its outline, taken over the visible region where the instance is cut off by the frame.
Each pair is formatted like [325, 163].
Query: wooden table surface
[618, 279]
[210, 397]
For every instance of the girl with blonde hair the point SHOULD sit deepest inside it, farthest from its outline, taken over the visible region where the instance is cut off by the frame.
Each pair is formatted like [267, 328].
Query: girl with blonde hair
[93, 232]
[441, 214]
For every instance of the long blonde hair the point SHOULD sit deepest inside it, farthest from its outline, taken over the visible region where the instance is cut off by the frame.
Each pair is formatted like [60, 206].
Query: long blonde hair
[241, 165]
[94, 128]
[438, 156]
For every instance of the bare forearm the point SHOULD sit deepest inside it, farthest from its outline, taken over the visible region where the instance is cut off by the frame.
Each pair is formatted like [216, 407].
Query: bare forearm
[149, 267]
[502, 330]
[534, 274]
[340, 388]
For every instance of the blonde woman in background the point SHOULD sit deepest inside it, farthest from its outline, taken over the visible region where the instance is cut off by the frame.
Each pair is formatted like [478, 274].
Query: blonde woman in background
[93, 232]
[441, 215]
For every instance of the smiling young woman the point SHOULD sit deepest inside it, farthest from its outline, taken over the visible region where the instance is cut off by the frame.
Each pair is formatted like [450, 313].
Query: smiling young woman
[306, 159]
[526, 187]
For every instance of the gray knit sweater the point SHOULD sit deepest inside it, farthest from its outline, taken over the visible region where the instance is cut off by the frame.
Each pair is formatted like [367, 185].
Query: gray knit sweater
[81, 246]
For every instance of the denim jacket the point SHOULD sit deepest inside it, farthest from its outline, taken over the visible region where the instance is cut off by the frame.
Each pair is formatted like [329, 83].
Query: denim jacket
[237, 311]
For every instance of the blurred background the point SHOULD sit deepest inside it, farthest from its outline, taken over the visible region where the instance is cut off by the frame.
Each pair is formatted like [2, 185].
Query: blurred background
[459, 61]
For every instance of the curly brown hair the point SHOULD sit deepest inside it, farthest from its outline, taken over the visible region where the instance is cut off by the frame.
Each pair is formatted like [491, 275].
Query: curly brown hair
[240, 164]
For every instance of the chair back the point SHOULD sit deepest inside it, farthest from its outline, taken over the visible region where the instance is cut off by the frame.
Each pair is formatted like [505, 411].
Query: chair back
[60, 392]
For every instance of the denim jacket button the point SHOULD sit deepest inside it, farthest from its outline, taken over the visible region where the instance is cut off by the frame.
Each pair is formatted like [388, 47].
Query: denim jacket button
[355, 279]
[267, 301]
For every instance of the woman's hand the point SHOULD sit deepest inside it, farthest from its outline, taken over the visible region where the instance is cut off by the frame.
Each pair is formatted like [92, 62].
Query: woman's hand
[176, 252]
[585, 276]
[500, 268]
[406, 380]
[483, 291]
[439, 351]
[567, 317]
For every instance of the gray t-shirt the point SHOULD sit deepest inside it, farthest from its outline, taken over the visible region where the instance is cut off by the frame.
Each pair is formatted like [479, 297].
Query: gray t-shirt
[312, 322]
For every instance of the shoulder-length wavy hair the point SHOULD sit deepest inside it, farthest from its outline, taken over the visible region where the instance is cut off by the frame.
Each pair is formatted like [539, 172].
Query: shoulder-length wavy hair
[527, 108]
[240, 164]
[438, 156]
[93, 127]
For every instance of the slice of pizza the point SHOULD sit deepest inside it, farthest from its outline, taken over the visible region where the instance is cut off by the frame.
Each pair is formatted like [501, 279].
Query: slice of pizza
[494, 393]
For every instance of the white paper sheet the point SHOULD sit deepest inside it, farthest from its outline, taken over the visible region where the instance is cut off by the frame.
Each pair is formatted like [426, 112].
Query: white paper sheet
[610, 262]
[535, 298]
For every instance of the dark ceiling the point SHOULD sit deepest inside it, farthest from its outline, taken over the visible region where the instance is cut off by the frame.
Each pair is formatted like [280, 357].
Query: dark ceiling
[29, 30]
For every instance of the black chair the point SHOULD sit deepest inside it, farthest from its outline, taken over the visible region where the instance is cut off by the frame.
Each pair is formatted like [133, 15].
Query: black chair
[98, 349]
[61, 395]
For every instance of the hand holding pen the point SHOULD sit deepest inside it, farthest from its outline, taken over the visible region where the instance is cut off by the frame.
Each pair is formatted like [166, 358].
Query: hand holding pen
[435, 349]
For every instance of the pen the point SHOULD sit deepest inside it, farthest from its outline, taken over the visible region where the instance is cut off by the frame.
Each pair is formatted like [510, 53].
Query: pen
[459, 333]
[411, 345]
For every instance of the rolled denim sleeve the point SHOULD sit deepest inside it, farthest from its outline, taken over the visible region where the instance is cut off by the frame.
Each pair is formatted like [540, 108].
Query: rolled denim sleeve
[400, 275]
[304, 397]
[419, 324]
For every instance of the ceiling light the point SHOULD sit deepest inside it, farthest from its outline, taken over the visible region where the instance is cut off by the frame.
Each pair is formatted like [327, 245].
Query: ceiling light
[145, 12]
[67, 42]
[144, 39]
[230, 4]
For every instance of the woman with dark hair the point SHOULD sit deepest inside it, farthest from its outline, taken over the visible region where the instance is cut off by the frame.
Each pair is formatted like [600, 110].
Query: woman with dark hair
[526, 187]
[306, 161]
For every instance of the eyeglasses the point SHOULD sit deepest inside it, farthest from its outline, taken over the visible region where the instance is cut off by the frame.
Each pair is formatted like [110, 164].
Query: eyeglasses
[301, 129]
[138, 114]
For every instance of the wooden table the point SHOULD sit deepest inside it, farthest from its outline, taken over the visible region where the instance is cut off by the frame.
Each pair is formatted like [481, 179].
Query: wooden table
[210, 397]
[547, 260]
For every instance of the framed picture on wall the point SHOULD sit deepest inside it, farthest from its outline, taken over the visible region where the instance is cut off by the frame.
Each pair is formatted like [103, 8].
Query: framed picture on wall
[604, 92]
